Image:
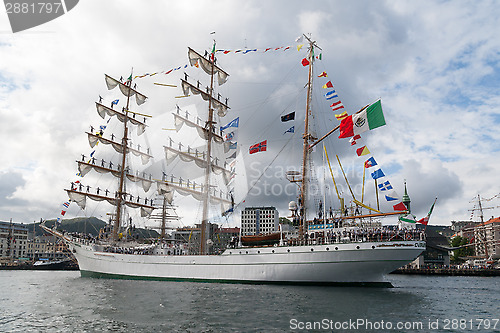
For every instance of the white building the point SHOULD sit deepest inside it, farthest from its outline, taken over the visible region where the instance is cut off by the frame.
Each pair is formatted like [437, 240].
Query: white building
[487, 239]
[13, 241]
[259, 220]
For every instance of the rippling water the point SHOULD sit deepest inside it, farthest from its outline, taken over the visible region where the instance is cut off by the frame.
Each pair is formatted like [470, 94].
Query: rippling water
[36, 301]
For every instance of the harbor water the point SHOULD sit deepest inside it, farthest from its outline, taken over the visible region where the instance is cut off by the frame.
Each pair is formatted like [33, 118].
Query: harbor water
[62, 301]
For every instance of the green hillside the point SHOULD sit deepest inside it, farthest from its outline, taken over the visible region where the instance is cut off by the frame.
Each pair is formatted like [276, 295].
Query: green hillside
[88, 225]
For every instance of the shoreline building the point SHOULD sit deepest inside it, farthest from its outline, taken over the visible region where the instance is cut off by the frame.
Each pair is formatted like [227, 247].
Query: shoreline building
[487, 239]
[13, 241]
[47, 248]
[464, 228]
[259, 220]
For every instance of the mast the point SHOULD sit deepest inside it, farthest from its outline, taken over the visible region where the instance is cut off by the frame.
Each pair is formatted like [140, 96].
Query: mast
[119, 198]
[206, 132]
[209, 125]
[307, 138]
[77, 193]
[480, 208]
[215, 104]
[163, 218]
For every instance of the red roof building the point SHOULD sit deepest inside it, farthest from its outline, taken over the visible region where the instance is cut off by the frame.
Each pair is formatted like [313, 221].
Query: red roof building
[487, 239]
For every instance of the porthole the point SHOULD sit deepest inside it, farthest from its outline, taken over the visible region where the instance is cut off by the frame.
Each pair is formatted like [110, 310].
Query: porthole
[258, 251]
[273, 251]
[288, 250]
[373, 247]
[328, 249]
[357, 247]
[312, 250]
[336, 248]
[246, 252]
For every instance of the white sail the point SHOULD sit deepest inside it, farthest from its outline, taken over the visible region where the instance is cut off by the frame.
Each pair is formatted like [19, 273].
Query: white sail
[126, 90]
[198, 158]
[196, 191]
[84, 168]
[179, 121]
[221, 107]
[81, 200]
[95, 138]
[103, 110]
[206, 65]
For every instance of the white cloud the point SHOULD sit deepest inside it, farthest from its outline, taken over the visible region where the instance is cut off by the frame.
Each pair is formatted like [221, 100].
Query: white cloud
[435, 65]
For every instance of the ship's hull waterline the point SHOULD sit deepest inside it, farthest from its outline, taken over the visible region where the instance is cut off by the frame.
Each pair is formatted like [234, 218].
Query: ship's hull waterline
[333, 264]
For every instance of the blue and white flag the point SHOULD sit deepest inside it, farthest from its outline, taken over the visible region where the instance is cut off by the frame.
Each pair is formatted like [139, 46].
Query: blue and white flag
[385, 186]
[392, 196]
[115, 102]
[233, 123]
[290, 130]
[331, 94]
[378, 174]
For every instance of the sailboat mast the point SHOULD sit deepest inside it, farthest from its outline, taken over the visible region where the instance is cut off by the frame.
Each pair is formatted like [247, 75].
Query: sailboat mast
[120, 193]
[210, 122]
[480, 208]
[163, 218]
[306, 137]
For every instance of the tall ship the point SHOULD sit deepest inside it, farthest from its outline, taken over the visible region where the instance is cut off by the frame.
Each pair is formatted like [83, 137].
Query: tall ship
[342, 249]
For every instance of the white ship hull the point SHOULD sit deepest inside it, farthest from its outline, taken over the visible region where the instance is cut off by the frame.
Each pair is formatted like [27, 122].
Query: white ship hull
[346, 263]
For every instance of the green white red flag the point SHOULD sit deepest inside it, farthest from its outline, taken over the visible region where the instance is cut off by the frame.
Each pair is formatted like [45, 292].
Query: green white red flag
[368, 119]
[425, 220]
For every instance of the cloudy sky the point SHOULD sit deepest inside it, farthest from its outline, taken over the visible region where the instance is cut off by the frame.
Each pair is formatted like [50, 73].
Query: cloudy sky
[434, 64]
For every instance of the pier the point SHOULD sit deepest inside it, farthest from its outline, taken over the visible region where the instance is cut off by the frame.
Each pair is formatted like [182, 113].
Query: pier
[449, 271]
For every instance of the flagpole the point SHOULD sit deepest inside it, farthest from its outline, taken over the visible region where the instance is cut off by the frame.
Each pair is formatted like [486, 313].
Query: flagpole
[307, 137]
[429, 216]
[338, 126]
[333, 130]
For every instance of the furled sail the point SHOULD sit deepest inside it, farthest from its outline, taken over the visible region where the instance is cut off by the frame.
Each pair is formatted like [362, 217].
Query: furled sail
[199, 158]
[179, 121]
[85, 167]
[81, 200]
[103, 110]
[217, 104]
[125, 89]
[94, 138]
[186, 188]
[206, 65]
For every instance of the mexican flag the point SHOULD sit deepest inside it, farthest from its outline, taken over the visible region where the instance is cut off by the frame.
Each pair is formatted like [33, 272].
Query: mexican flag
[368, 119]
[425, 220]
[212, 54]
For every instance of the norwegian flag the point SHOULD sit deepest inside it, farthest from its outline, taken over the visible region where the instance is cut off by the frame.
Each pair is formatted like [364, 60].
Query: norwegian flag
[261, 146]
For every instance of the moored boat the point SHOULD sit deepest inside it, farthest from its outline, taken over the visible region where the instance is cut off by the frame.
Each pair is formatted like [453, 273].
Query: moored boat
[351, 258]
